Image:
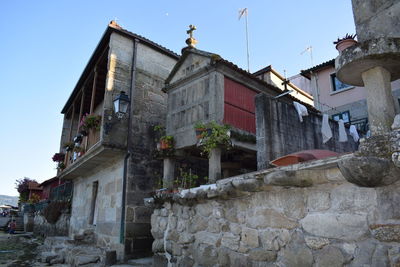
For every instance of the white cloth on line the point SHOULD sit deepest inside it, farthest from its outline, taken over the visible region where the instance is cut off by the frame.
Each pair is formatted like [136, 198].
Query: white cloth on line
[326, 129]
[342, 132]
[354, 133]
[301, 110]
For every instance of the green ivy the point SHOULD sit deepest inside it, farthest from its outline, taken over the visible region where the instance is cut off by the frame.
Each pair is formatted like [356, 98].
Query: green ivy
[217, 137]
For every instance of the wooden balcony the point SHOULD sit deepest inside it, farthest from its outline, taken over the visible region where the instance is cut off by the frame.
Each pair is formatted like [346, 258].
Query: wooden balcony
[87, 143]
[98, 148]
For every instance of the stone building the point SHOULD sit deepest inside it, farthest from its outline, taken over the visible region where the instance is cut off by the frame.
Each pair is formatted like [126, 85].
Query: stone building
[340, 211]
[111, 164]
[203, 87]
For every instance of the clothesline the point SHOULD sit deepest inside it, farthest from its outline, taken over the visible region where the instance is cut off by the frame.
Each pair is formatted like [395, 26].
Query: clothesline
[326, 128]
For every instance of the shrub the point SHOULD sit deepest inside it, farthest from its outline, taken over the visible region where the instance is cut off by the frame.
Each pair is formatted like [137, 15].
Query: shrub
[53, 211]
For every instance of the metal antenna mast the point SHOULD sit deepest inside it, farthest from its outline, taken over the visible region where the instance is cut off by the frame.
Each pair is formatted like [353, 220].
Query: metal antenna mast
[309, 49]
[244, 12]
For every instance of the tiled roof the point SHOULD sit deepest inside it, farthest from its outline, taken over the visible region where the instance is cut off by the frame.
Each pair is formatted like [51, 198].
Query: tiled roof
[34, 186]
[276, 89]
[266, 69]
[306, 73]
[48, 181]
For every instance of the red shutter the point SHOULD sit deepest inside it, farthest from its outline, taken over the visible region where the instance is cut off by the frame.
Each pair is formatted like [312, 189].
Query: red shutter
[239, 107]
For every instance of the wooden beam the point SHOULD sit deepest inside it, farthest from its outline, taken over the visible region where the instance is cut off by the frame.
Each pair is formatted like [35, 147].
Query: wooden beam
[72, 121]
[81, 107]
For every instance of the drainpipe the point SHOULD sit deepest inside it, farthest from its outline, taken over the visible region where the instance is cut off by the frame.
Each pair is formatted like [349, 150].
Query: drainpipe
[318, 104]
[128, 142]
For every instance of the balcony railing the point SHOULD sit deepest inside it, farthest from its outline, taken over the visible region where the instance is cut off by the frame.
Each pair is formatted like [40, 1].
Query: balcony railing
[62, 192]
[86, 144]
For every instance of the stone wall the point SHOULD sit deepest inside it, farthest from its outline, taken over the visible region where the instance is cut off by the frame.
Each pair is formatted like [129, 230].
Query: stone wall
[280, 132]
[300, 215]
[376, 18]
[148, 109]
[43, 228]
[107, 215]
[201, 99]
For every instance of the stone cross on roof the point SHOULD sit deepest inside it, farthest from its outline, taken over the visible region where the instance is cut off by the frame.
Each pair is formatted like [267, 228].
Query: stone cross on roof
[191, 42]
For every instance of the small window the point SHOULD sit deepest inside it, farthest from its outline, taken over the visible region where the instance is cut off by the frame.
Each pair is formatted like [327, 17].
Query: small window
[338, 85]
[345, 116]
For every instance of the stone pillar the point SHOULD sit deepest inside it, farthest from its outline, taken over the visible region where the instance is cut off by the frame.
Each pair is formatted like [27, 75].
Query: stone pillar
[169, 169]
[214, 165]
[381, 109]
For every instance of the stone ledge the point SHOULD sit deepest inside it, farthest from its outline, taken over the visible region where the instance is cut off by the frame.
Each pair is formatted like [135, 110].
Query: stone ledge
[355, 60]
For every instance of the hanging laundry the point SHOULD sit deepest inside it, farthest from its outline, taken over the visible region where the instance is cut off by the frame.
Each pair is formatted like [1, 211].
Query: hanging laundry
[354, 133]
[326, 129]
[342, 132]
[301, 110]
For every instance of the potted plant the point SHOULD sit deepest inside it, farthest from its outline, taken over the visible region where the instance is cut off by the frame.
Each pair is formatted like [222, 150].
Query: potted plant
[79, 151]
[69, 146]
[166, 142]
[345, 42]
[61, 166]
[89, 121]
[78, 140]
[58, 157]
[200, 129]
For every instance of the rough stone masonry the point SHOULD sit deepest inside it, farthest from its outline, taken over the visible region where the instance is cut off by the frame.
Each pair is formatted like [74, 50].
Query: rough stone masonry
[301, 215]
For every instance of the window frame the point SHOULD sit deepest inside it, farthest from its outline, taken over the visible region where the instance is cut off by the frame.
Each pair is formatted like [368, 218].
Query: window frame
[333, 80]
[340, 115]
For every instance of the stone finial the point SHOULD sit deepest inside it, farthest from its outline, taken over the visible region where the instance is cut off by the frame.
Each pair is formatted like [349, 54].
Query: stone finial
[114, 23]
[191, 41]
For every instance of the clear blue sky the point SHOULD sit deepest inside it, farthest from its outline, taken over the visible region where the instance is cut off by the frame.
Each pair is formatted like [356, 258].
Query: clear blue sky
[45, 46]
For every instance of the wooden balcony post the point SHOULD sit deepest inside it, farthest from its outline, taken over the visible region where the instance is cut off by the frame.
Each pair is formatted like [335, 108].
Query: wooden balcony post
[72, 121]
[81, 107]
[93, 91]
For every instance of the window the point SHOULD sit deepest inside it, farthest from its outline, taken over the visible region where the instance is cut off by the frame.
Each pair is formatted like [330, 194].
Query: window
[361, 125]
[93, 208]
[345, 116]
[338, 85]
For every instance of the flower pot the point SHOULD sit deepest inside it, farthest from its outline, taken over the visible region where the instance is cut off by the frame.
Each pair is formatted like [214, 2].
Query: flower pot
[164, 145]
[84, 132]
[199, 132]
[343, 44]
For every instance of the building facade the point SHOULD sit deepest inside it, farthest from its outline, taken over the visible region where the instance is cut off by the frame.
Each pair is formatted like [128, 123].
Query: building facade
[339, 100]
[110, 162]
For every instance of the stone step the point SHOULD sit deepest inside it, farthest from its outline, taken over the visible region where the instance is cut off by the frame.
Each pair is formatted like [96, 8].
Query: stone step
[142, 262]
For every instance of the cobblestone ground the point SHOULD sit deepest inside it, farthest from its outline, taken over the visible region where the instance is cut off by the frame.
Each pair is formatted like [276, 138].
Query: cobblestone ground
[18, 250]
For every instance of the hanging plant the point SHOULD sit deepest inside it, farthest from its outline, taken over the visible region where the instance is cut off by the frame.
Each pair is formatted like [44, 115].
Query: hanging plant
[61, 166]
[58, 157]
[69, 146]
[217, 136]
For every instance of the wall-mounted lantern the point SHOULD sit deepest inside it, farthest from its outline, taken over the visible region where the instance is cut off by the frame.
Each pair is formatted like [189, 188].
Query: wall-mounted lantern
[121, 104]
